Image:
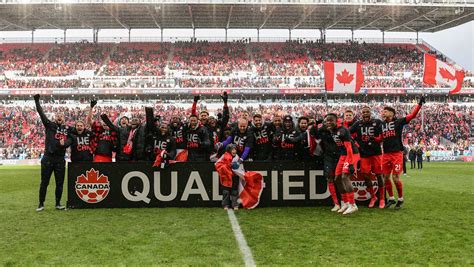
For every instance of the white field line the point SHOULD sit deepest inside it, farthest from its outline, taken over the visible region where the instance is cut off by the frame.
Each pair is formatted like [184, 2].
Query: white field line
[239, 236]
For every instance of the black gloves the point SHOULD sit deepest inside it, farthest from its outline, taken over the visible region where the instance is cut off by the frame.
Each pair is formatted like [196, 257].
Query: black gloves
[224, 97]
[422, 100]
[93, 103]
[36, 97]
[196, 98]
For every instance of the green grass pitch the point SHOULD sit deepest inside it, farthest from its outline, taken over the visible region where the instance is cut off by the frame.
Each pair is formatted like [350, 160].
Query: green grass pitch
[435, 227]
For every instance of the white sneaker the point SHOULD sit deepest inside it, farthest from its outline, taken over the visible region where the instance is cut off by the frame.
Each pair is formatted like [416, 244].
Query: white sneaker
[355, 207]
[336, 208]
[351, 209]
[60, 207]
[343, 208]
[40, 208]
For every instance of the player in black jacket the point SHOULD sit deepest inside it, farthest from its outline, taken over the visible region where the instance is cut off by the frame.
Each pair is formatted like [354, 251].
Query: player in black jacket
[57, 140]
[368, 134]
[283, 140]
[198, 141]
[263, 135]
[158, 138]
[81, 148]
[242, 138]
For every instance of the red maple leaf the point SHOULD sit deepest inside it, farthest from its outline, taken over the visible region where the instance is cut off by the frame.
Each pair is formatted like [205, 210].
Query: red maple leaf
[446, 74]
[344, 77]
[92, 176]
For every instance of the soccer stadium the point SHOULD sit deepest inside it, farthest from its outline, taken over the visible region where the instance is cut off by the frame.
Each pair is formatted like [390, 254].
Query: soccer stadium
[236, 132]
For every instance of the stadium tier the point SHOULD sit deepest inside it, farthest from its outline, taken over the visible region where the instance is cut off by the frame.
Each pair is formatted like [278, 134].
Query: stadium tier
[92, 68]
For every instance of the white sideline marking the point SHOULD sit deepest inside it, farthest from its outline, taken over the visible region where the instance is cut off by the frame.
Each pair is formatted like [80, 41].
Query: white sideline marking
[239, 236]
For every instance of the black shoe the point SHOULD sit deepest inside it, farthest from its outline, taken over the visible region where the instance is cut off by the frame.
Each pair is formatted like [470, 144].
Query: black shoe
[399, 204]
[40, 207]
[60, 207]
[389, 203]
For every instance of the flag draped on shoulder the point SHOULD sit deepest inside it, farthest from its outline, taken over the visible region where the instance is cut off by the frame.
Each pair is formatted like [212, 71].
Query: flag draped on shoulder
[438, 72]
[250, 183]
[343, 77]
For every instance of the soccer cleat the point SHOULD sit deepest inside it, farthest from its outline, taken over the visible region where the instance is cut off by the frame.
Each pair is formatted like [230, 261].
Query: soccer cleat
[355, 207]
[390, 203]
[351, 209]
[60, 207]
[372, 202]
[399, 204]
[336, 208]
[382, 204]
[40, 207]
[343, 208]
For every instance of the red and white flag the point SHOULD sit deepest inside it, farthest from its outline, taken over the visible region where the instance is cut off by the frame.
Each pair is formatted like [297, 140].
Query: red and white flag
[343, 77]
[439, 72]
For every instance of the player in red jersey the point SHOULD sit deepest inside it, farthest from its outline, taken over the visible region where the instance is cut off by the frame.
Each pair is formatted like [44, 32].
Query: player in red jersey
[392, 163]
[346, 164]
[368, 134]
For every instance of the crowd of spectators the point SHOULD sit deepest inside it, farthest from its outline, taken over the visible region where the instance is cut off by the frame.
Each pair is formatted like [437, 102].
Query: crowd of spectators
[231, 64]
[445, 127]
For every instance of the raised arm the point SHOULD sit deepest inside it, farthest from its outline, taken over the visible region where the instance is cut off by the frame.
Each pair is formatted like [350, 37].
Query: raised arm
[225, 111]
[109, 123]
[415, 111]
[150, 123]
[91, 112]
[43, 117]
[194, 108]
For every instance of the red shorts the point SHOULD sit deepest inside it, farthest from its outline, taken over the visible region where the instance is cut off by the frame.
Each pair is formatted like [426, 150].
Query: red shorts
[392, 163]
[371, 164]
[344, 168]
[102, 158]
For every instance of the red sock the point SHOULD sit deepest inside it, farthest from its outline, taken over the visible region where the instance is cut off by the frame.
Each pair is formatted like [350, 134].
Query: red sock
[344, 197]
[388, 186]
[382, 192]
[371, 191]
[332, 190]
[351, 198]
[399, 186]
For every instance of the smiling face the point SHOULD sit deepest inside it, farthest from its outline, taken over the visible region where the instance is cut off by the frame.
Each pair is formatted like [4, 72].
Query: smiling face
[366, 114]
[330, 122]
[387, 115]
[257, 121]
[80, 127]
[164, 128]
[348, 116]
[59, 118]
[303, 125]
[124, 122]
[243, 125]
[135, 123]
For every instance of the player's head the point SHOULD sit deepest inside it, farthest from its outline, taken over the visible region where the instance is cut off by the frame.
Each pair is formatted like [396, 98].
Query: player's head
[203, 116]
[134, 123]
[245, 115]
[175, 121]
[303, 123]
[277, 121]
[230, 148]
[242, 124]
[59, 118]
[287, 122]
[330, 120]
[257, 120]
[124, 121]
[211, 121]
[193, 121]
[366, 113]
[348, 115]
[388, 113]
[80, 126]
[164, 128]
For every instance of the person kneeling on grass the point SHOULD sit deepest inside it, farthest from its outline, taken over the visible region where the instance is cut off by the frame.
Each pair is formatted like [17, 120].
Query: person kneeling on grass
[228, 180]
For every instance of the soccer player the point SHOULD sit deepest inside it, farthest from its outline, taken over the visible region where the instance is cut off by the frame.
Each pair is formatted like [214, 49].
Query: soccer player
[346, 164]
[368, 134]
[348, 118]
[330, 158]
[105, 140]
[263, 135]
[81, 148]
[242, 138]
[283, 140]
[177, 129]
[57, 140]
[198, 141]
[158, 138]
[393, 150]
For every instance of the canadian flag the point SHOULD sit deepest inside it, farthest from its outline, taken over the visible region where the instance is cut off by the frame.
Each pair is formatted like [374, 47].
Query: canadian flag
[439, 72]
[343, 77]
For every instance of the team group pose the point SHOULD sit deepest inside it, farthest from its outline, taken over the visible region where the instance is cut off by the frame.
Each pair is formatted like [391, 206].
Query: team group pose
[367, 147]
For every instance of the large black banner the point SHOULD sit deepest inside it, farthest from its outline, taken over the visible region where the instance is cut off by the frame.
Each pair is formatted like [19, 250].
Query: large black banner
[137, 184]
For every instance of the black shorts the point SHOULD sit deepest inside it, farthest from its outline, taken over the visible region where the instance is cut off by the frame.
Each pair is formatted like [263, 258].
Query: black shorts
[329, 165]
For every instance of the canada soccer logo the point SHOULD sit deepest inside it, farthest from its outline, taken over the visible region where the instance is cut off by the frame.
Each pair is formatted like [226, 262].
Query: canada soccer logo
[360, 188]
[92, 187]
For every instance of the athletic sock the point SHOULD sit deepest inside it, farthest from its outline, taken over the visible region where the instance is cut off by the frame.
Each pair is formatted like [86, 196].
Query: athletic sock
[399, 186]
[344, 198]
[388, 186]
[371, 191]
[332, 190]
[352, 199]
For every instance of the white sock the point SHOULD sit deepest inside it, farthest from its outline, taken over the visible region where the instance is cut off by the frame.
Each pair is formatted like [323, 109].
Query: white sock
[391, 198]
[400, 199]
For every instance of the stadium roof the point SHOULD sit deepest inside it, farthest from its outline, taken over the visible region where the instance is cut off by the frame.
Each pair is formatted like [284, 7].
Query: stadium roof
[385, 15]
